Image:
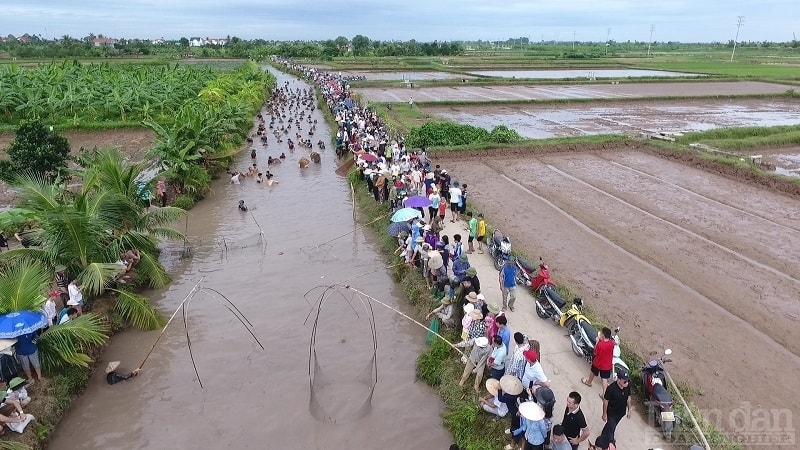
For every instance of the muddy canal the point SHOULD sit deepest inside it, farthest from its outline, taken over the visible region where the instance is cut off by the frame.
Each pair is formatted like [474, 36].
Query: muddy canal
[254, 398]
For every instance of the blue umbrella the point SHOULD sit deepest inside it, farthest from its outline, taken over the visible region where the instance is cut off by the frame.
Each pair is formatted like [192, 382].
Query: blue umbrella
[395, 228]
[405, 214]
[18, 323]
[418, 201]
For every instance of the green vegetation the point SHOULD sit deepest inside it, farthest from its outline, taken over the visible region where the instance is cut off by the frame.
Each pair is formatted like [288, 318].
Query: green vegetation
[72, 94]
[451, 134]
[208, 130]
[745, 138]
[734, 69]
[37, 150]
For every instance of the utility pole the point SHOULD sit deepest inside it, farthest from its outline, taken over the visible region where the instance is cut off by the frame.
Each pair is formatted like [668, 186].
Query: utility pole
[652, 29]
[573, 41]
[739, 23]
[608, 38]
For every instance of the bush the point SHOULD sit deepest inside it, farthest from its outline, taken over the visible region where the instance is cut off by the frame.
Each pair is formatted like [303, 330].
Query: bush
[451, 134]
[184, 202]
[36, 149]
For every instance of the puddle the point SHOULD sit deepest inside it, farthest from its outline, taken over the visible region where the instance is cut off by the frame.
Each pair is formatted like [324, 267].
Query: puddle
[584, 73]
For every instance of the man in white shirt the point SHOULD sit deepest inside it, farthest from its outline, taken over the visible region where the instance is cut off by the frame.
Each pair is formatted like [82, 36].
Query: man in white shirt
[534, 374]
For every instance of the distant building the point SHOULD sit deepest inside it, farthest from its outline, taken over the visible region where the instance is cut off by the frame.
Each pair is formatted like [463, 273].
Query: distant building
[216, 41]
[104, 42]
[25, 38]
[158, 41]
[197, 42]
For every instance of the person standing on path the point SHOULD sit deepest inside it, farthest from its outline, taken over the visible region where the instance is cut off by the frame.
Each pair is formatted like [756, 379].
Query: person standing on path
[481, 234]
[28, 356]
[473, 232]
[603, 361]
[455, 201]
[574, 422]
[508, 283]
[616, 404]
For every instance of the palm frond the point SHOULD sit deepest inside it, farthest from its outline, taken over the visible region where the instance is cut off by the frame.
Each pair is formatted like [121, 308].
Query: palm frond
[152, 270]
[64, 344]
[137, 310]
[96, 276]
[22, 285]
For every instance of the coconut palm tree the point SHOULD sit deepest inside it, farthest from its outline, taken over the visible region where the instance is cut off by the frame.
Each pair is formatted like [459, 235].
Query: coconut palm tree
[87, 231]
[21, 287]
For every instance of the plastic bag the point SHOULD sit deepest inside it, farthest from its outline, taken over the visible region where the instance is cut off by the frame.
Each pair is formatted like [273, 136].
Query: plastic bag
[433, 328]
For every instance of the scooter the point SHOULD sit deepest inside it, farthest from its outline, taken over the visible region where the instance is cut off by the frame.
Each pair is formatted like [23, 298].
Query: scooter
[499, 248]
[525, 272]
[659, 401]
[581, 332]
[548, 302]
[617, 361]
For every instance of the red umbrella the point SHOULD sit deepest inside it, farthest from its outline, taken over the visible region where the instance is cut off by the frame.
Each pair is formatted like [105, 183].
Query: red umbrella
[369, 157]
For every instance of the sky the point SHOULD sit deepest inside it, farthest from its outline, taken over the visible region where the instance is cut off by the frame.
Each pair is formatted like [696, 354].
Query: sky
[423, 20]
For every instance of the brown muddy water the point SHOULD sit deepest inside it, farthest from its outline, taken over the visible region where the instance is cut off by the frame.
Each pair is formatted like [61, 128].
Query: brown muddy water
[254, 398]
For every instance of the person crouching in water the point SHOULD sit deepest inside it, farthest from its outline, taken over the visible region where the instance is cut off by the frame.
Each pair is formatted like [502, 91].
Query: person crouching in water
[242, 206]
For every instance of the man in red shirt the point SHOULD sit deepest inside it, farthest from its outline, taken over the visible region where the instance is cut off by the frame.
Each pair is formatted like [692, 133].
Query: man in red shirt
[603, 361]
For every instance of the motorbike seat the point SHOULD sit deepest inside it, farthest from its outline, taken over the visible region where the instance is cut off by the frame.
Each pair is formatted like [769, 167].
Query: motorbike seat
[526, 265]
[552, 294]
[590, 331]
[660, 394]
[497, 238]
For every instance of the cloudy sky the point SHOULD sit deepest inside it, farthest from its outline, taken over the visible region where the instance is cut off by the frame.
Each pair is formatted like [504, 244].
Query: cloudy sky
[424, 20]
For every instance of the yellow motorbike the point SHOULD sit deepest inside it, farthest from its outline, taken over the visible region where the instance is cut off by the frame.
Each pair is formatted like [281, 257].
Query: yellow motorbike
[581, 332]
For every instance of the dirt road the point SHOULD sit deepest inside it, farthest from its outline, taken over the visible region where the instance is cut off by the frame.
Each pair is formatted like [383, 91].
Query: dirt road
[678, 257]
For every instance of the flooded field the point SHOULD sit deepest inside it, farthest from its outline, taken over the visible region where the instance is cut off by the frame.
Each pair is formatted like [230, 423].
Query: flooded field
[583, 73]
[533, 121]
[785, 160]
[467, 92]
[399, 76]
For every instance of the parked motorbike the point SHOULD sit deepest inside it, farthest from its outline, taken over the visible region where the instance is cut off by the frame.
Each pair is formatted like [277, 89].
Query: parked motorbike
[499, 248]
[581, 332]
[525, 272]
[659, 401]
[617, 361]
[548, 302]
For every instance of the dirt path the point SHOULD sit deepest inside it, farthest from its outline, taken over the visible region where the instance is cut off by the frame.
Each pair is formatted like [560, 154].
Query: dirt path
[676, 256]
[134, 142]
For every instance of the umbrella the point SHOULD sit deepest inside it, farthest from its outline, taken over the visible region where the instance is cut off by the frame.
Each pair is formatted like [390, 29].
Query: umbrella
[395, 228]
[418, 201]
[18, 323]
[405, 214]
[368, 157]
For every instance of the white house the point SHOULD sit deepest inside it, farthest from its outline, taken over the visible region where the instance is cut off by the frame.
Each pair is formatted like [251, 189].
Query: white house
[197, 42]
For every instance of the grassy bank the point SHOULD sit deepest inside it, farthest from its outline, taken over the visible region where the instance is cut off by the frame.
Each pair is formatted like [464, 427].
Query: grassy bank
[745, 138]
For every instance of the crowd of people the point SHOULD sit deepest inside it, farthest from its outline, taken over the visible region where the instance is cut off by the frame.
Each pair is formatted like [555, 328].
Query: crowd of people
[518, 388]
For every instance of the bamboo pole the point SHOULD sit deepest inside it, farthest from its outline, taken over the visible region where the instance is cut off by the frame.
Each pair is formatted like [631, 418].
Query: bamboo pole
[688, 411]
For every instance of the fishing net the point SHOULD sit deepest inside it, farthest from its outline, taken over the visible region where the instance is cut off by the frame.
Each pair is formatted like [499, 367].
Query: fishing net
[223, 244]
[341, 389]
[320, 253]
